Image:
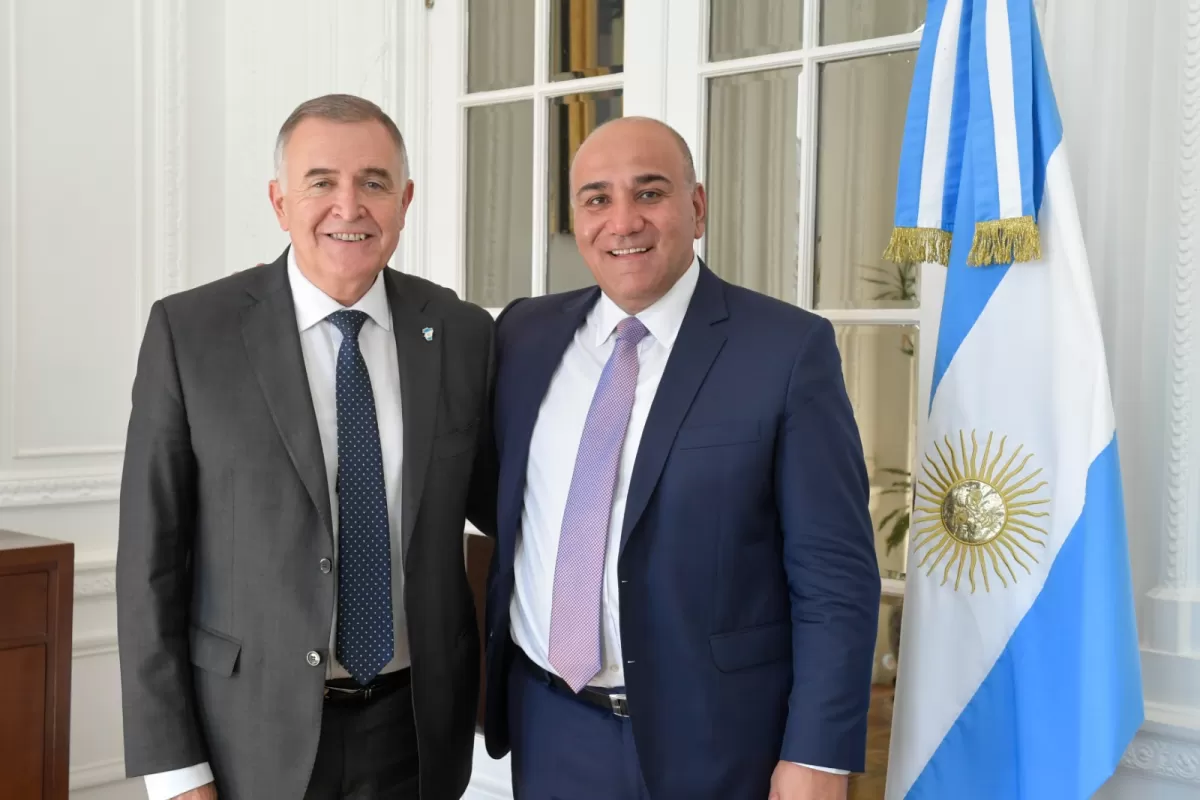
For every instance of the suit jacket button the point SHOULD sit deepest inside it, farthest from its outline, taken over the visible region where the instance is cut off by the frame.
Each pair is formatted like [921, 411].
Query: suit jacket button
[326, 565]
[313, 658]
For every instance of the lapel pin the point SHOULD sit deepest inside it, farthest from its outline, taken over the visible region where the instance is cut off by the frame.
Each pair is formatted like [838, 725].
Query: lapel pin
[427, 333]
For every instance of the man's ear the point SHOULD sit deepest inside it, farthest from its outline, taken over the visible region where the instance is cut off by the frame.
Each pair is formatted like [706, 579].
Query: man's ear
[275, 191]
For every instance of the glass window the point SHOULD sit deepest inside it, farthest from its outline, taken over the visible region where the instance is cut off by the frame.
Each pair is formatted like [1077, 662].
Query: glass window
[572, 118]
[587, 38]
[863, 106]
[500, 44]
[740, 28]
[855, 20]
[499, 213]
[753, 181]
[879, 363]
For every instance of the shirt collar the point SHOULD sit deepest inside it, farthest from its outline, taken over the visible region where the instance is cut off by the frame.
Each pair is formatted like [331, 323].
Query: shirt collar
[662, 319]
[313, 305]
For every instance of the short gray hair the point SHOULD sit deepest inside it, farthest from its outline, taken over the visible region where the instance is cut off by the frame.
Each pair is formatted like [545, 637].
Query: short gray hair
[339, 108]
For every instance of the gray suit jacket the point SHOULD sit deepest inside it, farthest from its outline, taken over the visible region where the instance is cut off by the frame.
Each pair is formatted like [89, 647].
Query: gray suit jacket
[225, 519]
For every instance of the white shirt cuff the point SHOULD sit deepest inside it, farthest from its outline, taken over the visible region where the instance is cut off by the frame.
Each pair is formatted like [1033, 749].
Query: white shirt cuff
[166, 785]
[823, 769]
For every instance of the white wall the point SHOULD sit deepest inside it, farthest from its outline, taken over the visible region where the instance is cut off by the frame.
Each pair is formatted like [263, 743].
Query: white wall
[136, 139]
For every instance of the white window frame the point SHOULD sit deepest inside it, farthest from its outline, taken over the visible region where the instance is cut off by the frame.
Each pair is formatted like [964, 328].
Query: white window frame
[666, 73]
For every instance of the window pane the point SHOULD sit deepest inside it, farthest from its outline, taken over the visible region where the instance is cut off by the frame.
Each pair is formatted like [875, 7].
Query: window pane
[499, 203]
[740, 28]
[855, 20]
[572, 118]
[753, 181]
[879, 363]
[500, 44]
[587, 37]
[863, 106]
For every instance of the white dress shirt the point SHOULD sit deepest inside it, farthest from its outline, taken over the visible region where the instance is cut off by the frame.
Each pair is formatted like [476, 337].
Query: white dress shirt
[551, 465]
[319, 341]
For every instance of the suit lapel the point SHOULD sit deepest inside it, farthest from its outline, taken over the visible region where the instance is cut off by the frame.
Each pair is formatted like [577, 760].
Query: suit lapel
[420, 363]
[695, 349]
[532, 369]
[272, 343]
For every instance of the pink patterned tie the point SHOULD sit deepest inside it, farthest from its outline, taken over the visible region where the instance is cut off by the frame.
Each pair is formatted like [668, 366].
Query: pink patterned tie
[579, 571]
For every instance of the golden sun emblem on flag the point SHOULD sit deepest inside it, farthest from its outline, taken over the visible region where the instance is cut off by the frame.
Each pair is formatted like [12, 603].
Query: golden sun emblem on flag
[977, 518]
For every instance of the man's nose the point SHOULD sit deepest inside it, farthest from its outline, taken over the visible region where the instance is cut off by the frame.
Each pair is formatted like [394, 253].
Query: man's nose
[346, 203]
[625, 219]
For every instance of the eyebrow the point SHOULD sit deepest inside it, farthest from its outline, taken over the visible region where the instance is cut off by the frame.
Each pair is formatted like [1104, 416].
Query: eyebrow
[640, 180]
[372, 172]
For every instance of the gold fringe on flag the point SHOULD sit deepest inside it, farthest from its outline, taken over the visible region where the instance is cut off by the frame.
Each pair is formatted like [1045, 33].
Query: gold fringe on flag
[918, 246]
[1005, 241]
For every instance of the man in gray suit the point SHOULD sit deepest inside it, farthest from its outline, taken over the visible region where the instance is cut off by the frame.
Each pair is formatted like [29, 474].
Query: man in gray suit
[307, 440]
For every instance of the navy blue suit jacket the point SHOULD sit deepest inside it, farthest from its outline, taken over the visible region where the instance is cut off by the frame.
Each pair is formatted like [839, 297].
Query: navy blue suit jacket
[749, 586]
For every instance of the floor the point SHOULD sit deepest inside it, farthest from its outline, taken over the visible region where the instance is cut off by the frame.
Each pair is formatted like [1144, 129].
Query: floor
[869, 785]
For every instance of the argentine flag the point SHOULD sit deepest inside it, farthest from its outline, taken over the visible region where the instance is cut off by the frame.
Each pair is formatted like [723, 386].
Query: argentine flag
[1019, 671]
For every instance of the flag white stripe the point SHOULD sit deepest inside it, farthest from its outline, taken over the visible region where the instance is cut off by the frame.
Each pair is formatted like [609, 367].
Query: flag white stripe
[937, 128]
[1004, 117]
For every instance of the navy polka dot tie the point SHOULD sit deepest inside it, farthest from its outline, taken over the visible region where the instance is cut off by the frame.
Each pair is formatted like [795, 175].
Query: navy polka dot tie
[365, 640]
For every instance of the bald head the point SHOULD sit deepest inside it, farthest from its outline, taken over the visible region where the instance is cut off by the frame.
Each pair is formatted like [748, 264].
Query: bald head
[627, 131]
[638, 209]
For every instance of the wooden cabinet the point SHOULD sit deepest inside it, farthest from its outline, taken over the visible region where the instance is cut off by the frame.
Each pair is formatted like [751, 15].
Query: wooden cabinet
[36, 578]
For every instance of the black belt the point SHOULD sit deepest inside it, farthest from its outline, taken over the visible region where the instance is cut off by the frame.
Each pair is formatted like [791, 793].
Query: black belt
[614, 703]
[348, 690]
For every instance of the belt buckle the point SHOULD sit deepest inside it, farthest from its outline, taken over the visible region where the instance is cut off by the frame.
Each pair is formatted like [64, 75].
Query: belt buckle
[620, 706]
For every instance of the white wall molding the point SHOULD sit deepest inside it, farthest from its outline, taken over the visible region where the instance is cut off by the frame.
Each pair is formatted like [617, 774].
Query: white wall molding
[1181, 495]
[96, 774]
[64, 488]
[170, 144]
[95, 577]
[1168, 747]
[100, 644]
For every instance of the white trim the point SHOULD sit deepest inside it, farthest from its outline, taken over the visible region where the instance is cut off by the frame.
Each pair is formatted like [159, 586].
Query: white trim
[541, 148]
[868, 316]
[808, 57]
[65, 487]
[416, 128]
[96, 774]
[545, 91]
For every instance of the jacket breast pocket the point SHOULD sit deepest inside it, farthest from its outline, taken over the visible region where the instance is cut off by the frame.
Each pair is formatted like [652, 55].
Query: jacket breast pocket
[693, 437]
[751, 647]
[213, 652]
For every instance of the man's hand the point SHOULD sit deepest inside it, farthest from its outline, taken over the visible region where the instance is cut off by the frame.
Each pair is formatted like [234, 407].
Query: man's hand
[206, 792]
[794, 782]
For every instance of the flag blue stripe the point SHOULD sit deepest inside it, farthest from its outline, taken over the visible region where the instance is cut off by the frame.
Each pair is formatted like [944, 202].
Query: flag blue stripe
[1053, 717]
[1020, 23]
[968, 289]
[1047, 122]
[908, 181]
[960, 107]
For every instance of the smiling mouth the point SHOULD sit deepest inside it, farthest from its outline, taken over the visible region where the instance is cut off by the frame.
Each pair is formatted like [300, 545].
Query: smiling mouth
[629, 251]
[349, 237]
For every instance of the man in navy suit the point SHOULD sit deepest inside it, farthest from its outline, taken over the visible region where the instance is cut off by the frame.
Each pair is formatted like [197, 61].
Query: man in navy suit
[684, 594]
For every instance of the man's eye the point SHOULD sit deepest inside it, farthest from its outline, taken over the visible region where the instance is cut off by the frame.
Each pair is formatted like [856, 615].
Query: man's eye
[597, 200]
[375, 185]
[651, 194]
[320, 184]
